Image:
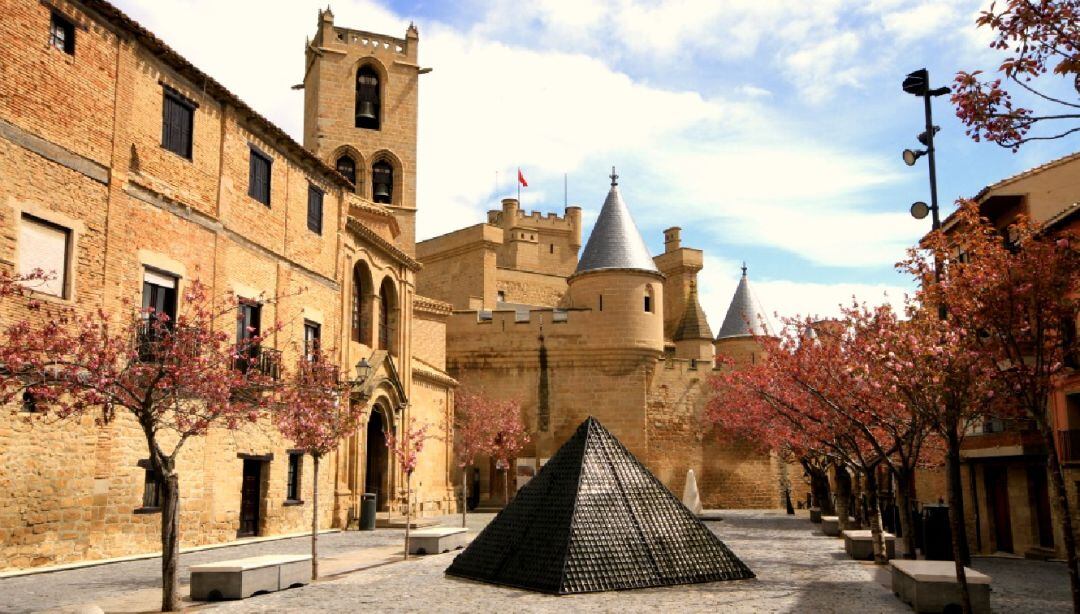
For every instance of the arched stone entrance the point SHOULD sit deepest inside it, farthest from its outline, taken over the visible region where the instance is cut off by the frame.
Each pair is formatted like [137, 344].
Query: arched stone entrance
[377, 457]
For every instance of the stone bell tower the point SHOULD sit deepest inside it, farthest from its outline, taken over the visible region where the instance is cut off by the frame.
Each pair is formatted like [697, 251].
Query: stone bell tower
[360, 97]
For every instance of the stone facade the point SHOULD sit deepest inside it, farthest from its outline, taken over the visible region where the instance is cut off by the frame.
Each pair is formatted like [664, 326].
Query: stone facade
[569, 344]
[81, 148]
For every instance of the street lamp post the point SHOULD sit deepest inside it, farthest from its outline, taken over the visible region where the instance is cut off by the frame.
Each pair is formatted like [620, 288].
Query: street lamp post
[918, 84]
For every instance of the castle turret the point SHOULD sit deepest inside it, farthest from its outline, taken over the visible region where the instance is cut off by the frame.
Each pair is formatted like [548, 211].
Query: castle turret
[617, 279]
[693, 337]
[745, 318]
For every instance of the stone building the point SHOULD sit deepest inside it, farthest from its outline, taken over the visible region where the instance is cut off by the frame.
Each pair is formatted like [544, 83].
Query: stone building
[129, 173]
[1006, 485]
[615, 334]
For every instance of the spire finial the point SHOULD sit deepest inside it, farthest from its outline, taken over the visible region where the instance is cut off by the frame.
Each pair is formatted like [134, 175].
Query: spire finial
[744, 268]
[614, 177]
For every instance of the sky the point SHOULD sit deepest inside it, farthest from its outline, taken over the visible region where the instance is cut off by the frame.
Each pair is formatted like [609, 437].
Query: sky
[770, 131]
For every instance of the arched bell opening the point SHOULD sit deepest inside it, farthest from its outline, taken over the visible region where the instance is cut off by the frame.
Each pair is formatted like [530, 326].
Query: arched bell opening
[368, 98]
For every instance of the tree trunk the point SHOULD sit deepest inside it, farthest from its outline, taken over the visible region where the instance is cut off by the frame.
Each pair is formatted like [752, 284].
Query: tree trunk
[874, 517]
[408, 511]
[956, 510]
[819, 487]
[843, 496]
[464, 494]
[314, 517]
[170, 539]
[905, 486]
[1058, 477]
[506, 487]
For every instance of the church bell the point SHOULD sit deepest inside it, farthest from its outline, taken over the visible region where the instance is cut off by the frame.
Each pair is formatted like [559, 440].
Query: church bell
[366, 110]
[382, 191]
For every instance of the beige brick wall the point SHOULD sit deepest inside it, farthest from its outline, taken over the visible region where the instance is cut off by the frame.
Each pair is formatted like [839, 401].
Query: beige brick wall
[72, 486]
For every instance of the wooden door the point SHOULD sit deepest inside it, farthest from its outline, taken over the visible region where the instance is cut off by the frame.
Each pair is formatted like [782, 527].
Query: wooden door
[997, 498]
[1040, 504]
[249, 498]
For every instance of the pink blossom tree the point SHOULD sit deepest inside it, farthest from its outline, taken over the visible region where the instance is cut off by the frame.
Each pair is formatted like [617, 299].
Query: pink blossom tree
[177, 379]
[314, 411]
[478, 419]
[406, 448]
[509, 438]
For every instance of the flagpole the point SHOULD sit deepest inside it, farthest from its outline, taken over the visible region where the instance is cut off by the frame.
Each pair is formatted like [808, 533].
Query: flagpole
[519, 186]
[565, 198]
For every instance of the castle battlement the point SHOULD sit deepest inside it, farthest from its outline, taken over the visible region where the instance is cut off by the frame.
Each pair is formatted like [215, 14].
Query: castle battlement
[370, 39]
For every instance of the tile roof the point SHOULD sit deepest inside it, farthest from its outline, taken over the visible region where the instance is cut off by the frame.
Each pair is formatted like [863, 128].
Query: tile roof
[615, 242]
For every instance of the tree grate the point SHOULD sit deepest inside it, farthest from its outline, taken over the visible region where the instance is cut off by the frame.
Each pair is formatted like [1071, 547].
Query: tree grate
[595, 519]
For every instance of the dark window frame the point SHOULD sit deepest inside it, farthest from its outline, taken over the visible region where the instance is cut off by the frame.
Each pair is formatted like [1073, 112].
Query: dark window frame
[61, 33]
[259, 187]
[315, 209]
[312, 342]
[294, 478]
[69, 245]
[248, 315]
[177, 123]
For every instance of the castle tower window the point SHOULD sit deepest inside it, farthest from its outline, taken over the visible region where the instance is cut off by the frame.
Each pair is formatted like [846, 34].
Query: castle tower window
[62, 33]
[347, 167]
[367, 98]
[648, 300]
[382, 182]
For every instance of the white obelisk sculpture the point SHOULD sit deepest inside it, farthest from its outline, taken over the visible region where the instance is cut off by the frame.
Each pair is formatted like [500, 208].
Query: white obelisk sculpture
[690, 497]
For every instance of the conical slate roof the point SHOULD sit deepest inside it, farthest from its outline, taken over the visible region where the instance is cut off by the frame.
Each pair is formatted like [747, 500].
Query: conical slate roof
[694, 324]
[595, 519]
[615, 242]
[744, 315]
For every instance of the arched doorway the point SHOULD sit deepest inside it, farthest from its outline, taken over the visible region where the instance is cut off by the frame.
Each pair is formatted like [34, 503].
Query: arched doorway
[377, 459]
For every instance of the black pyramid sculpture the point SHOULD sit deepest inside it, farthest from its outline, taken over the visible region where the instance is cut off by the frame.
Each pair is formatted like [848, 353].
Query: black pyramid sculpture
[595, 519]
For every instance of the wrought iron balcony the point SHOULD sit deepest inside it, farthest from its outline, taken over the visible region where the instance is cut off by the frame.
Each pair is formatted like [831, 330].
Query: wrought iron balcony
[264, 360]
[1068, 444]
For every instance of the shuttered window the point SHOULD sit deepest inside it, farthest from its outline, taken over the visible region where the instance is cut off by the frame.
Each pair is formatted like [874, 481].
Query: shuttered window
[314, 209]
[176, 123]
[62, 33]
[259, 177]
[44, 246]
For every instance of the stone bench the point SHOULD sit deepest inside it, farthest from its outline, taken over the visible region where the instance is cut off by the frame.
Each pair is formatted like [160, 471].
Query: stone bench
[242, 578]
[815, 515]
[436, 540]
[931, 586]
[830, 525]
[859, 544]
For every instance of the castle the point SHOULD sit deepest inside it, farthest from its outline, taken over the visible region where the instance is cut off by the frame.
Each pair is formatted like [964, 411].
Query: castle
[159, 175]
[614, 333]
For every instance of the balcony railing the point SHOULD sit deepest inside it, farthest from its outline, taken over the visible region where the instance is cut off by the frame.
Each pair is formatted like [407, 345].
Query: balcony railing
[266, 361]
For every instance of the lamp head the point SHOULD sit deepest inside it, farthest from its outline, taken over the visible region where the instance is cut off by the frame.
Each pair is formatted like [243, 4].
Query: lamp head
[919, 210]
[363, 370]
[912, 155]
[917, 82]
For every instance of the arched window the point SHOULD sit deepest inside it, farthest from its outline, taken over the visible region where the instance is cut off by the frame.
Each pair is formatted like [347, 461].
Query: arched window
[649, 299]
[368, 101]
[382, 182]
[347, 167]
[388, 316]
[361, 303]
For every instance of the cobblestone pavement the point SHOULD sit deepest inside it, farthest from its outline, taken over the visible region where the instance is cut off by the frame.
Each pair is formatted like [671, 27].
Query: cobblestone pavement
[134, 586]
[798, 571]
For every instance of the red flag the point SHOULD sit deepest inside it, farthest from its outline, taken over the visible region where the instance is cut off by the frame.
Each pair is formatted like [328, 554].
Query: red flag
[521, 179]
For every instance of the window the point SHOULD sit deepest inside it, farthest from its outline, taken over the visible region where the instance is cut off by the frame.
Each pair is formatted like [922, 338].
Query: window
[178, 113]
[151, 498]
[29, 402]
[347, 167]
[248, 318]
[601, 302]
[382, 182]
[388, 316]
[648, 299]
[367, 98]
[159, 310]
[44, 246]
[551, 248]
[296, 461]
[62, 33]
[314, 209]
[361, 304]
[259, 177]
[312, 336]
[502, 296]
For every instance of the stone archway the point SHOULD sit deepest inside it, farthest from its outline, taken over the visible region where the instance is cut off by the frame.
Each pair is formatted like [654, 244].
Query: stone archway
[377, 457]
